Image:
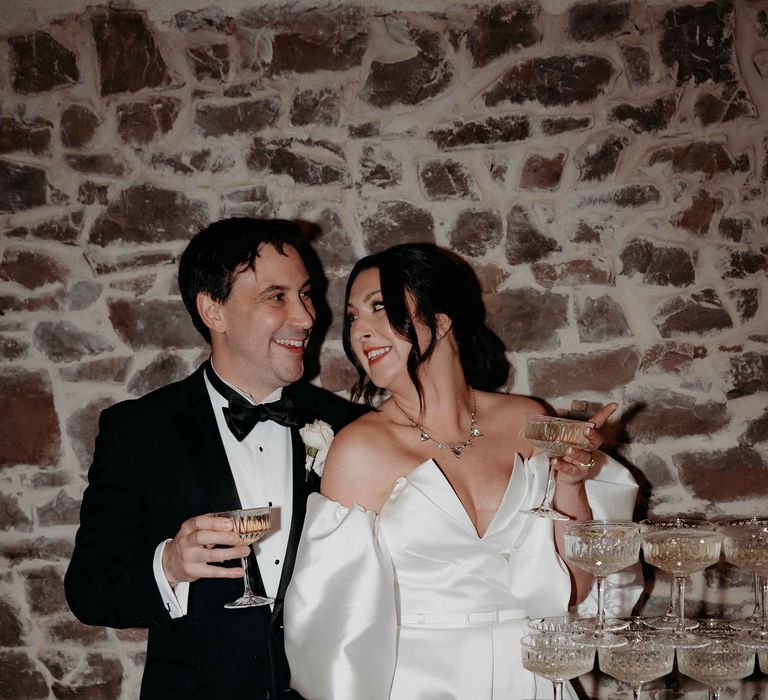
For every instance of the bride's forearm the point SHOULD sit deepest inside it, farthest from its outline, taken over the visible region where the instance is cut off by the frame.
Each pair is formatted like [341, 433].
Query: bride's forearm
[571, 500]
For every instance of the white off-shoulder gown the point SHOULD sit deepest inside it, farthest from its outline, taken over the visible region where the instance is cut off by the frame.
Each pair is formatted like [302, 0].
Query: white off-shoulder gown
[413, 605]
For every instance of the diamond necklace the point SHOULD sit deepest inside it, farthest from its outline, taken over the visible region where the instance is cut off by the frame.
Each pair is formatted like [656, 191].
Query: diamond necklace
[457, 449]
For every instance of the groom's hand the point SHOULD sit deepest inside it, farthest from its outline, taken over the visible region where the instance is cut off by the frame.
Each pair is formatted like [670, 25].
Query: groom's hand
[189, 555]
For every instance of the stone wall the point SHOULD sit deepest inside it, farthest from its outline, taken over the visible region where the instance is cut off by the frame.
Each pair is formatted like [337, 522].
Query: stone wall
[602, 167]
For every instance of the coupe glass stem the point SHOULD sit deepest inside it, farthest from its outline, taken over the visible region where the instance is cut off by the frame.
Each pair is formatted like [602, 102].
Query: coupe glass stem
[714, 694]
[636, 692]
[757, 614]
[246, 579]
[600, 617]
[558, 686]
[547, 503]
[672, 610]
[680, 581]
[763, 581]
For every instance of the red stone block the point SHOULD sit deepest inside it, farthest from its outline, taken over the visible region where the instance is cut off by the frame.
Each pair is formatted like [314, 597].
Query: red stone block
[476, 231]
[573, 273]
[525, 241]
[412, 80]
[501, 29]
[138, 123]
[164, 368]
[31, 269]
[660, 414]
[526, 319]
[552, 81]
[155, 323]
[447, 179]
[33, 135]
[149, 214]
[397, 222]
[78, 126]
[41, 63]
[21, 678]
[722, 476]
[129, 58]
[29, 433]
[21, 187]
[569, 374]
[541, 172]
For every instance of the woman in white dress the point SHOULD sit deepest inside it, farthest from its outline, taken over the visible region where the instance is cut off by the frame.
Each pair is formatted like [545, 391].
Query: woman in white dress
[417, 570]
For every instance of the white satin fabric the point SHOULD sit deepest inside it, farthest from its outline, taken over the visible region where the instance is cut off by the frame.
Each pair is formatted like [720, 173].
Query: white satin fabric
[413, 605]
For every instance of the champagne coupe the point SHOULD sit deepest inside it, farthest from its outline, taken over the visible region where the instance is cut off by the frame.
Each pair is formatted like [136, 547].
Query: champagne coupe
[747, 547]
[645, 657]
[250, 524]
[558, 657]
[679, 547]
[603, 547]
[721, 660]
[754, 621]
[553, 436]
[564, 624]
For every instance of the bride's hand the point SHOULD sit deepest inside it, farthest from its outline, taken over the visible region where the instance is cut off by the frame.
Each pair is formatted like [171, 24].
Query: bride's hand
[577, 465]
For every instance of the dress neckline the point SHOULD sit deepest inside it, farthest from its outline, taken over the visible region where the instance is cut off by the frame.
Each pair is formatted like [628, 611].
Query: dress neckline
[430, 479]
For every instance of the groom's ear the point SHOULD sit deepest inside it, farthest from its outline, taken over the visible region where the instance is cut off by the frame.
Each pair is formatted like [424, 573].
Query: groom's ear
[210, 313]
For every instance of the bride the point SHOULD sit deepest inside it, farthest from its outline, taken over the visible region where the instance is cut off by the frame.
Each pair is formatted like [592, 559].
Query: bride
[417, 571]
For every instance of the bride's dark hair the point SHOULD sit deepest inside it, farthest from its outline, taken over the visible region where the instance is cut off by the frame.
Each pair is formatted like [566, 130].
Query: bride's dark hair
[437, 282]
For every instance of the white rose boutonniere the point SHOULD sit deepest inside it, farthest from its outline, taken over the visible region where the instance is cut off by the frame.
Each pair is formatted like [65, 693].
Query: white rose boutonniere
[317, 439]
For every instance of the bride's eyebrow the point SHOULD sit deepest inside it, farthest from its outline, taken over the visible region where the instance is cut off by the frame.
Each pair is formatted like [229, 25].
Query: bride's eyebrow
[368, 296]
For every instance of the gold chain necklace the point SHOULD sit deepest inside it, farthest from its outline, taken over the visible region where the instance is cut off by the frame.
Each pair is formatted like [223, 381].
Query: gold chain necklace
[457, 449]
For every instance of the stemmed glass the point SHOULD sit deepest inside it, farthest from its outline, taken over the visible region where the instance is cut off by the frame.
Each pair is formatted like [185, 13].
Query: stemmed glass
[719, 660]
[558, 657]
[251, 524]
[602, 547]
[755, 620]
[645, 657]
[680, 547]
[747, 547]
[553, 436]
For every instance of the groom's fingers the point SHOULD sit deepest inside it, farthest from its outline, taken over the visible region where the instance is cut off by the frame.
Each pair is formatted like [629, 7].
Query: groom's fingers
[200, 542]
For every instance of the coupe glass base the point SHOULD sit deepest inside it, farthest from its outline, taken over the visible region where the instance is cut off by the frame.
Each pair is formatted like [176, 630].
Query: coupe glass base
[610, 624]
[544, 512]
[668, 622]
[249, 601]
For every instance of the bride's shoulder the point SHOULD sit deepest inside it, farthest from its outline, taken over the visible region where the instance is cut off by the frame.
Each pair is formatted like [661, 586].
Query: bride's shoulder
[507, 404]
[354, 471]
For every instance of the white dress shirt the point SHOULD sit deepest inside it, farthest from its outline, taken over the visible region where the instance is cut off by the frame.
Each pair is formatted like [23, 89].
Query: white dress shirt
[262, 469]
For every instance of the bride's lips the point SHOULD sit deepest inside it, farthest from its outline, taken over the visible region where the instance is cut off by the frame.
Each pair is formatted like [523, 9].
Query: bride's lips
[373, 355]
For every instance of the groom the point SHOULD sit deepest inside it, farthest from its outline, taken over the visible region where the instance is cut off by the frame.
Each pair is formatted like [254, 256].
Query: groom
[226, 437]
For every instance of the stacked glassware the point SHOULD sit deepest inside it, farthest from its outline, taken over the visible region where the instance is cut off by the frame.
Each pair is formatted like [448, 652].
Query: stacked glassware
[715, 652]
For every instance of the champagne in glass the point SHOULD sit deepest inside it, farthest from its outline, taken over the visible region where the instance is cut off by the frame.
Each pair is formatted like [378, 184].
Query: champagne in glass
[553, 436]
[754, 621]
[721, 660]
[644, 658]
[603, 547]
[680, 547]
[747, 547]
[250, 524]
[558, 657]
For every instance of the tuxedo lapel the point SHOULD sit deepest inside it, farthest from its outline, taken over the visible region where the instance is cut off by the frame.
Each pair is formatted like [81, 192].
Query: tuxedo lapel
[208, 468]
[302, 487]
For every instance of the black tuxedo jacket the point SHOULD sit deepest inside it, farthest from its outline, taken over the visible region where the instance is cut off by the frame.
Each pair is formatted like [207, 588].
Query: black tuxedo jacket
[158, 461]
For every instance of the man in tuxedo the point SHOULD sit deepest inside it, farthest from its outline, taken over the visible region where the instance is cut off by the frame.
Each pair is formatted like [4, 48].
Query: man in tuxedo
[146, 553]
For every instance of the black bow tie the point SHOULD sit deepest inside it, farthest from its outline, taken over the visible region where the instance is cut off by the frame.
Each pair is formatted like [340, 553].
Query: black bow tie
[241, 415]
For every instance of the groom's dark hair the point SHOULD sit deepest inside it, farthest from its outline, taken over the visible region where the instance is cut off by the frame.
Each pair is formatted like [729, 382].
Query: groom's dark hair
[419, 281]
[217, 254]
